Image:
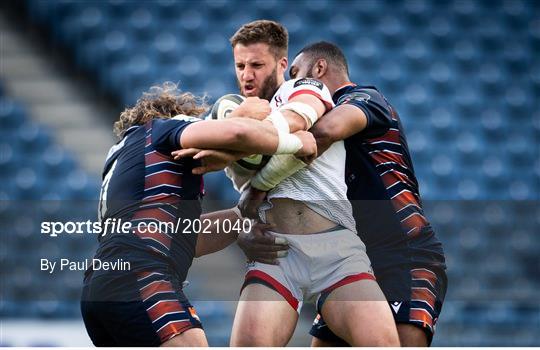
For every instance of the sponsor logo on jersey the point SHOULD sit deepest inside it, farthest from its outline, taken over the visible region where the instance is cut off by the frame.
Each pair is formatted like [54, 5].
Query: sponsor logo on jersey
[356, 96]
[308, 81]
[278, 100]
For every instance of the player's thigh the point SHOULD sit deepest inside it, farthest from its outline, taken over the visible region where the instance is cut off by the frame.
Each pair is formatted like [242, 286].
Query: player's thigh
[263, 318]
[359, 314]
[412, 336]
[193, 337]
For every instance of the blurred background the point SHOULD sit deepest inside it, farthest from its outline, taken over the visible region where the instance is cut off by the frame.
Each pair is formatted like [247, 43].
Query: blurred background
[464, 76]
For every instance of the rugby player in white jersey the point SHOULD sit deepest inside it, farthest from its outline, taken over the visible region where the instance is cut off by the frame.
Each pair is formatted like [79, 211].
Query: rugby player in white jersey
[326, 260]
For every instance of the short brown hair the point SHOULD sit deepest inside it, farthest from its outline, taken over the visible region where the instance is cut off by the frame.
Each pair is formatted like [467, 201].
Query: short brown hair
[161, 101]
[264, 31]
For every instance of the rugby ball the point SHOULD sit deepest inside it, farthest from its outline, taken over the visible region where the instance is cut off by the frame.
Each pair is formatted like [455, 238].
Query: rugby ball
[221, 110]
[225, 105]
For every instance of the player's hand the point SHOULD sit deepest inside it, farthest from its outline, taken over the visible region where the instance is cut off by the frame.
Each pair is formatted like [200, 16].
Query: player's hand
[249, 202]
[308, 152]
[211, 160]
[259, 245]
[252, 107]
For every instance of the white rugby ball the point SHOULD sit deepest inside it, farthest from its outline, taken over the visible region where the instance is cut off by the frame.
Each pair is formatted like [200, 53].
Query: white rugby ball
[225, 105]
[221, 110]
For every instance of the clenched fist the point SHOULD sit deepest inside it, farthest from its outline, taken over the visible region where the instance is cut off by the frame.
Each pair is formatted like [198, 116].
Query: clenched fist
[252, 107]
[308, 152]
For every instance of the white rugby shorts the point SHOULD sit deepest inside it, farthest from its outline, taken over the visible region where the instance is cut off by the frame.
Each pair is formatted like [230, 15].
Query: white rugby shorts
[316, 263]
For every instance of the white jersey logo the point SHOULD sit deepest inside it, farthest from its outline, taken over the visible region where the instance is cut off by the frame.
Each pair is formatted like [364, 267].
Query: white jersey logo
[396, 306]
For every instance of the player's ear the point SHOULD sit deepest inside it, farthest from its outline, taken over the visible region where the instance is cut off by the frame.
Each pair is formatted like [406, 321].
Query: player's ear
[283, 63]
[320, 68]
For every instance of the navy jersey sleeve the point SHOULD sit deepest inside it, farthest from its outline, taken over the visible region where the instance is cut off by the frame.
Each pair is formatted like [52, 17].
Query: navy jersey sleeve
[374, 106]
[166, 132]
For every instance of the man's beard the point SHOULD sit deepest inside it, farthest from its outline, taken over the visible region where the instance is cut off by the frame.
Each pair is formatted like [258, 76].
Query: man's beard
[268, 88]
[311, 66]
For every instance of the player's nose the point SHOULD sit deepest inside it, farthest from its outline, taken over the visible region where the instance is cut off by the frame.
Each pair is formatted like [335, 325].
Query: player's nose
[248, 74]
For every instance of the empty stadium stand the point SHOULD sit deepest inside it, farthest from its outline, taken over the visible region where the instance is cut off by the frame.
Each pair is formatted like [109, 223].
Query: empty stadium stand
[464, 76]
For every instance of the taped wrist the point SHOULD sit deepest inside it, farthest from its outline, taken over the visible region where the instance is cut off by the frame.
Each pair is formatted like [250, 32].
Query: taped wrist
[279, 121]
[279, 167]
[288, 143]
[308, 113]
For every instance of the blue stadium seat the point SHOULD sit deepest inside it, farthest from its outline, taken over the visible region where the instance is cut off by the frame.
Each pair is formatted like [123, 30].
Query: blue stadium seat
[466, 54]
[142, 23]
[57, 162]
[12, 114]
[416, 53]
[391, 29]
[442, 79]
[441, 32]
[33, 138]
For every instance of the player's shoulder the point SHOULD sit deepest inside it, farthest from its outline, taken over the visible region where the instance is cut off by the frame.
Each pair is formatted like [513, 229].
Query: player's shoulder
[164, 124]
[176, 120]
[359, 93]
[303, 83]
[299, 86]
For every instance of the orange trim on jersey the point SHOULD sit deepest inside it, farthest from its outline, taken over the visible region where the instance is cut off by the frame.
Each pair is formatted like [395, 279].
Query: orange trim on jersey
[415, 220]
[156, 157]
[156, 287]
[414, 232]
[327, 104]
[162, 178]
[390, 135]
[424, 274]
[276, 285]
[383, 157]
[161, 238]
[423, 294]
[421, 315]
[392, 176]
[163, 199]
[172, 329]
[160, 308]
[349, 83]
[403, 199]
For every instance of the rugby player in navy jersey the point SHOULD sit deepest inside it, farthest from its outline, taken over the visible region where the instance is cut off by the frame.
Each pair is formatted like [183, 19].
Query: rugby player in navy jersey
[406, 256]
[145, 186]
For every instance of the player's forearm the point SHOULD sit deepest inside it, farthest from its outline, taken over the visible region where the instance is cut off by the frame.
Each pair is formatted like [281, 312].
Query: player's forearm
[239, 134]
[297, 118]
[278, 169]
[338, 124]
[263, 137]
[256, 137]
[217, 235]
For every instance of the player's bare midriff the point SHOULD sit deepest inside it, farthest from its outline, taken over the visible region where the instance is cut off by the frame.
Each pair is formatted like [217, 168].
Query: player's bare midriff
[294, 217]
